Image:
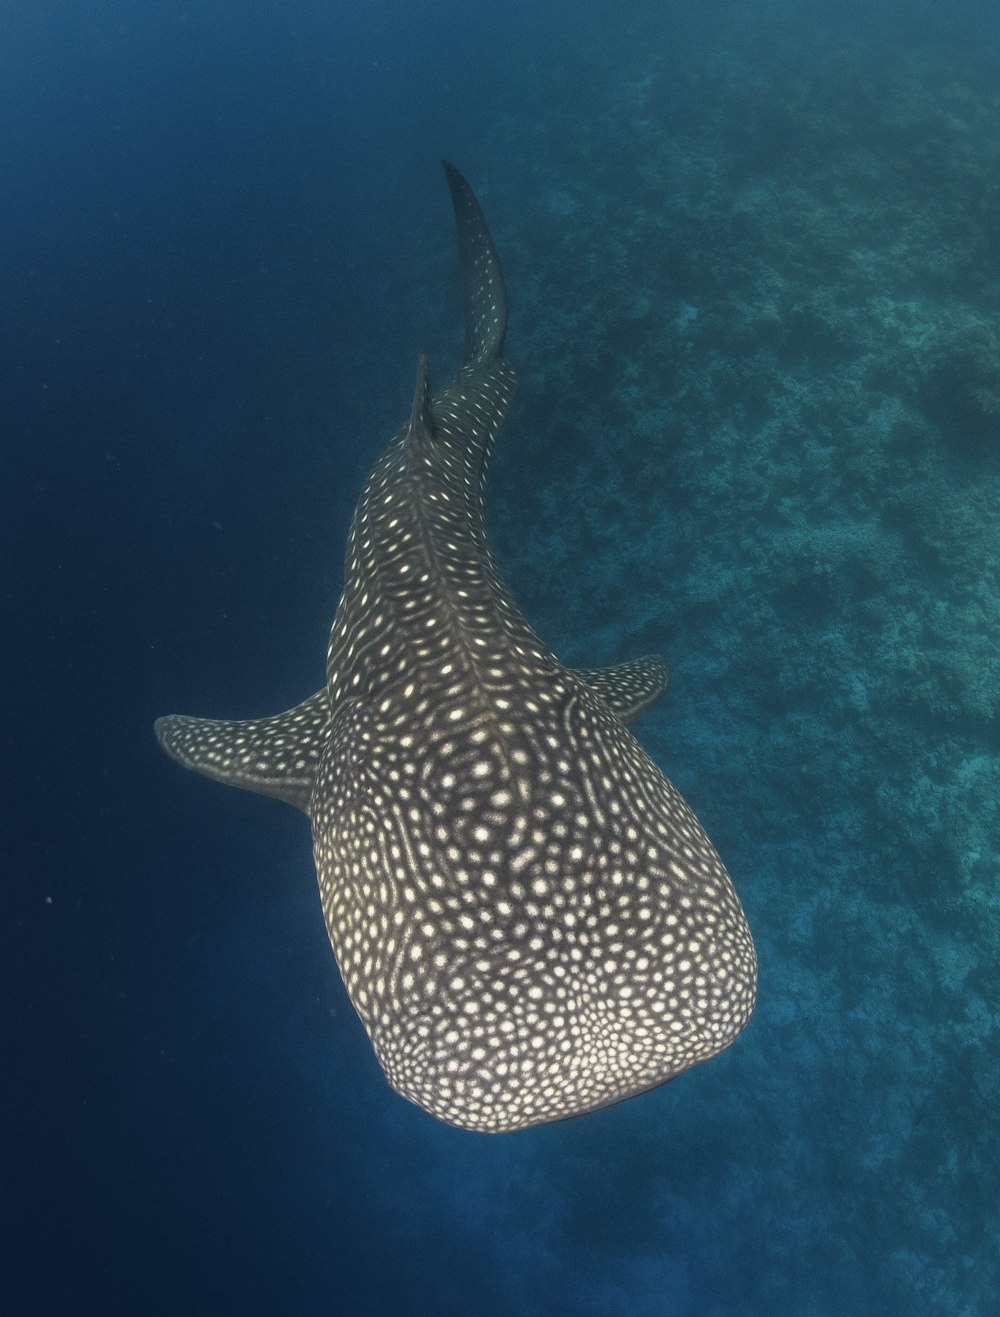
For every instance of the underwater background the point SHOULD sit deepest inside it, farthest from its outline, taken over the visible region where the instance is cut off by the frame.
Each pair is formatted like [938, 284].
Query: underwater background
[753, 255]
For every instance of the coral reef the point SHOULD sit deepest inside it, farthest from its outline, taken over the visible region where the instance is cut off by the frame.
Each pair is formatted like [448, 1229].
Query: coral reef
[767, 442]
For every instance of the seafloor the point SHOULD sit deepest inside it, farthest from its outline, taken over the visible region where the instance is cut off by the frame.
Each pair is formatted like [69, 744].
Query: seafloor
[757, 328]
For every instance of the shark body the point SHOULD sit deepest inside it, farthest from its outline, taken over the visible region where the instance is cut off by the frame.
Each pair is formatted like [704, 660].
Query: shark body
[529, 919]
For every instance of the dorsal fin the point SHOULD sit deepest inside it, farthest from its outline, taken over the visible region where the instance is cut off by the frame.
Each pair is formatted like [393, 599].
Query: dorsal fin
[484, 291]
[628, 689]
[420, 427]
[277, 756]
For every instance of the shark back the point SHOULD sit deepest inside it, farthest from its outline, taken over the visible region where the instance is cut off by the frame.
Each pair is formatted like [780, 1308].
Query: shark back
[529, 919]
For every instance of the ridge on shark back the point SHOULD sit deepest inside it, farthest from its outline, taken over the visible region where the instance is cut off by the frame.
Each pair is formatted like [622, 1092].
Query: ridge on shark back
[529, 919]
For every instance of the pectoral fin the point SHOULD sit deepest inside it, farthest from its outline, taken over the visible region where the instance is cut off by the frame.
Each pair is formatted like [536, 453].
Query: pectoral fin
[277, 756]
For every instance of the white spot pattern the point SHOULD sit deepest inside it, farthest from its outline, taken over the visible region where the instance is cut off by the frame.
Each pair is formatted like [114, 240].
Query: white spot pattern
[530, 921]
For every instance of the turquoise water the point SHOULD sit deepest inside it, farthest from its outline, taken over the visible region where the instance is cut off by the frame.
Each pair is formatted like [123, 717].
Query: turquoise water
[752, 258]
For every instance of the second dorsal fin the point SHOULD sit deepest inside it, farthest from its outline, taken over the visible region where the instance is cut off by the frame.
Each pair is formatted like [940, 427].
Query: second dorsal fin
[420, 427]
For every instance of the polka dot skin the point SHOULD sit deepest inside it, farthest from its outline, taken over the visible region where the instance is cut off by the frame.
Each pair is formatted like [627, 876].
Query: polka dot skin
[529, 919]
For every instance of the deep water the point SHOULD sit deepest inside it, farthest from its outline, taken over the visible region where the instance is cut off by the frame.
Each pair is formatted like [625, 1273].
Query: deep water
[754, 266]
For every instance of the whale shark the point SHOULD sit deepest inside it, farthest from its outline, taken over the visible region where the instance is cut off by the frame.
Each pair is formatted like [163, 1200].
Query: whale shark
[528, 918]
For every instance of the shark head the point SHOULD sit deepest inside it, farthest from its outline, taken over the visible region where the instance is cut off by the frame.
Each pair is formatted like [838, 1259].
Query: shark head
[529, 919]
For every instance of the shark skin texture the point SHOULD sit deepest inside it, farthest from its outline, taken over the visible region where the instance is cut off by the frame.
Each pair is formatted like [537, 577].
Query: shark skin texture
[528, 918]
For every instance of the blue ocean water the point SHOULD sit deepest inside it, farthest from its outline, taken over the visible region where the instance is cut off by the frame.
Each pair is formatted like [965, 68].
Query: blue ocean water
[753, 262]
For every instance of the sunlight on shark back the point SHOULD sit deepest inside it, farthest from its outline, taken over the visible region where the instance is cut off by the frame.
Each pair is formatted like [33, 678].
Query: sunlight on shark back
[530, 921]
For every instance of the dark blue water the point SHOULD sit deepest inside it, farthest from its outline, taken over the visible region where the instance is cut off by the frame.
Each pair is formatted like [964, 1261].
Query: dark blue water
[753, 262]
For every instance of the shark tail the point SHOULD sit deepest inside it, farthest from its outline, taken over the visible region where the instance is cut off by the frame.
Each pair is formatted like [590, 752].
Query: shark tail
[484, 291]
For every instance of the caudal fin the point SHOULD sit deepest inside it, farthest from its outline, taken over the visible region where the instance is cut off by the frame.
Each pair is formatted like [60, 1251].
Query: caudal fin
[484, 291]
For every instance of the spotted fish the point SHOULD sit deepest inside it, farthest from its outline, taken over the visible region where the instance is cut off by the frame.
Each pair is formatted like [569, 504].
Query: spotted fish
[530, 921]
